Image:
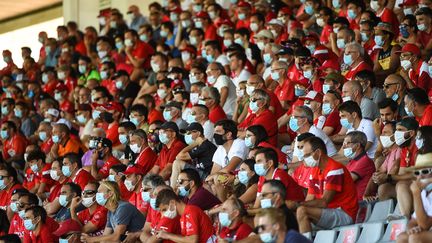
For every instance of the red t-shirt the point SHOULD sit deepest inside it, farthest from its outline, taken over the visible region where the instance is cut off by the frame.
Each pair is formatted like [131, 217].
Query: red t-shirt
[45, 234]
[46, 146]
[55, 191]
[363, 167]
[136, 200]
[142, 50]
[29, 180]
[216, 114]
[421, 77]
[82, 178]
[98, 218]
[210, 33]
[154, 115]
[239, 232]
[294, 191]
[285, 92]
[67, 106]
[5, 196]
[335, 177]
[110, 86]
[325, 34]
[267, 119]
[426, 119]
[408, 155]
[275, 103]
[104, 171]
[195, 222]
[423, 37]
[50, 87]
[333, 120]
[168, 155]
[112, 134]
[301, 175]
[354, 70]
[14, 146]
[147, 159]
[44, 177]
[17, 226]
[162, 223]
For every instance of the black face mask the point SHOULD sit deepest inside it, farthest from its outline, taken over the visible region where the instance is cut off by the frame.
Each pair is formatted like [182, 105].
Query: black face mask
[219, 139]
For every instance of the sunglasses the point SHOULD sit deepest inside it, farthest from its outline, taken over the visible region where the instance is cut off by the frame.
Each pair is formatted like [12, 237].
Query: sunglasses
[386, 86]
[423, 172]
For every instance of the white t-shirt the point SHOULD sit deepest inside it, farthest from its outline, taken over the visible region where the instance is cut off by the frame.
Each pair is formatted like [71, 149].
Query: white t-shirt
[222, 59]
[427, 203]
[208, 130]
[331, 149]
[238, 149]
[225, 81]
[243, 76]
[366, 127]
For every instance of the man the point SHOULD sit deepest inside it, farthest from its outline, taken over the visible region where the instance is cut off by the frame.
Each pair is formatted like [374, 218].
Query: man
[354, 57]
[145, 156]
[135, 17]
[22, 112]
[189, 187]
[8, 184]
[134, 175]
[13, 143]
[196, 226]
[302, 121]
[368, 82]
[44, 135]
[395, 88]
[84, 119]
[71, 169]
[352, 90]
[64, 143]
[331, 102]
[266, 168]
[43, 181]
[86, 70]
[200, 114]
[68, 191]
[138, 116]
[238, 63]
[388, 113]
[231, 219]
[23, 200]
[331, 200]
[257, 82]
[138, 54]
[127, 89]
[168, 135]
[414, 70]
[360, 165]
[210, 97]
[159, 63]
[216, 77]
[173, 113]
[417, 104]
[424, 24]
[198, 154]
[214, 54]
[102, 152]
[352, 120]
[39, 227]
[285, 88]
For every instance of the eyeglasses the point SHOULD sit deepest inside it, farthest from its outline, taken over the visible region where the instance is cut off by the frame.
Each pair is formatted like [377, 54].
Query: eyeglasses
[180, 181]
[260, 228]
[423, 172]
[386, 86]
[255, 99]
[3, 176]
[88, 192]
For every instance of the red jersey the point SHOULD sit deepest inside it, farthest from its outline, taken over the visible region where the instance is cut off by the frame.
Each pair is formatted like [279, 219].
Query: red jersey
[67, 106]
[354, 70]
[424, 37]
[110, 86]
[82, 178]
[112, 133]
[168, 155]
[154, 115]
[195, 222]
[325, 34]
[238, 232]
[55, 191]
[275, 103]
[142, 50]
[162, 223]
[333, 120]
[285, 91]
[29, 179]
[46, 146]
[426, 119]
[50, 87]
[45, 177]
[147, 159]
[5, 196]
[104, 171]
[136, 200]
[301, 175]
[408, 156]
[210, 32]
[14, 146]
[98, 218]
[267, 119]
[294, 191]
[17, 226]
[216, 114]
[45, 234]
[421, 77]
[335, 177]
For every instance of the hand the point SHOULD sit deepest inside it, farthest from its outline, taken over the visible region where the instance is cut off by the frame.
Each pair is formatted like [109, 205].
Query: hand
[161, 235]
[416, 187]
[229, 181]
[414, 230]
[377, 124]
[220, 240]
[210, 179]
[130, 238]
[94, 157]
[379, 178]
[370, 198]
[128, 50]
[85, 237]
[75, 202]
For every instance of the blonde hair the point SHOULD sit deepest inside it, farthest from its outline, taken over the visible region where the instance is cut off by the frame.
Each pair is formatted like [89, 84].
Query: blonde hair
[114, 188]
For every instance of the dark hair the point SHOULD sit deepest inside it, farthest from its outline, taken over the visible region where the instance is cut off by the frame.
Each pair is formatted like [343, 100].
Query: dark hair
[165, 196]
[11, 124]
[132, 32]
[74, 158]
[11, 171]
[118, 168]
[259, 132]
[129, 126]
[418, 95]
[36, 155]
[279, 186]
[214, 44]
[32, 198]
[426, 135]
[193, 175]
[367, 75]
[10, 238]
[269, 154]
[4, 222]
[38, 211]
[316, 143]
[75, 188]
[304, 136]
[351, 107]
[260, 16]
[169, 25]
[141, 109]
[388, 102]
[228, 126]
[243, 32]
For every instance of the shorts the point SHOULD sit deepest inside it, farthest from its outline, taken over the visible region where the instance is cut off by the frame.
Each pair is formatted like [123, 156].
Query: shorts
[333, 217]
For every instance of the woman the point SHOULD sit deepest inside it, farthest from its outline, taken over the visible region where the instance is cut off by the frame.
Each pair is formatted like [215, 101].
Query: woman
[408, 30]
[242, 103]
[256, 136]
[122, 216]
[391, 156]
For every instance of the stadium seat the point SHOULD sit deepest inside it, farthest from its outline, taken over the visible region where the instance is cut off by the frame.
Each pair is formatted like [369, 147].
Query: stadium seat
[348, 234]
[381, 210]
[363, 212]
[394, 228]
[397, 210]
[325, 236]
[371, 232]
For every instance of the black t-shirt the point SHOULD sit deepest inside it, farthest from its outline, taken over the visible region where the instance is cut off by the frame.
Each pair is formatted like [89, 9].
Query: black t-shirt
[131, 91]
[202, 156]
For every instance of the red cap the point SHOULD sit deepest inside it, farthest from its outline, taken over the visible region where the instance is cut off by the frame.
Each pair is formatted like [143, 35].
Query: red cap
[303, 82]
[244, 4]
[311, 36]
[202, 14]
[219, 22]
[176, 82]
[67, 227]
[313, 95]
[176, 9]
[190, 49]
[408, 3]
[113, 106]
[413, 48]
[330, 63]
[61, 87]
[134, 169]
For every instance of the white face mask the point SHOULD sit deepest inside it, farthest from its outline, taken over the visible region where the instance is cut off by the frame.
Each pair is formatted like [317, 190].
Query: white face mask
[134, 147]
[386, 141]
[170, 213]
[400, 137]
[129, 186]
[310, 161]
[88, 201]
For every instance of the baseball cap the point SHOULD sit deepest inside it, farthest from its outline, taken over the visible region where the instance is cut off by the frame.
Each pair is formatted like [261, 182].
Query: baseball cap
[313, 95]
[120, 73]
[105, 142]
[335, 77]
[176, 83]
[134, 169]
[409, 47]
[276, 22]
[286, 51]
[170, 125]
[202, 15]
[194, 126]
[53, 112]
[67, 227]
[265, 34]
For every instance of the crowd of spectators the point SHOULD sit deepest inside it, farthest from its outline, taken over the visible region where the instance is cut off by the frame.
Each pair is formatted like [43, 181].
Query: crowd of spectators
[219, 121]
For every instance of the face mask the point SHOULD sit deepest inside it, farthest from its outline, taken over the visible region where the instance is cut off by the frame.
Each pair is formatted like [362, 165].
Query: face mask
[163, 138]
[4, 134]
[345, 123]
[170, 214]
[100, 199]
[183, 192]
[185, 56]
[218, 138]
[254, 106]
[161, 93]
[348, 60]
[250, 89]
[248, 142]
[88, 201]
[188, 139]
[311, 48]
[4, 110]
[129, 43]
[242, 16]
[254, 27]
[163, 34]
[299, 92]
[335, 30]
[129, 186]
[119, 45]
[275, 75]
[119, 84]
[153, 203]
[227, 42]
[209, 58]
[28, 224]
[47, 50]
[310, 161]
[326, 88]
[351, 14]
[34, 168]
[336, 4]
[299, 154]
[191, 118]
[404, 31]
[308, 74]
[364, 37]
[260, 45]
[293, 124]
[267, 58]
[320, 22]
[267, 237]
[186, 23]
[239, 41]
[154, 66]
[167, 115]
[346, 98]
[282, 59]
[240, 92]
[379, 40]
[2, 185]
[340, 43]
[409, 113]
[63, 200]
[199, 25]
[123, 138]
[54, 176]
[143, 38]
[309, 9]
[386, 141]
[30, 94]
[326, 108]
[95, 114]
[419, 143]
[13, 206]
[66, 170]
[406, 64]
[60, 75]
[266, 203]
[374, 5]
[224, 219]
[55, 139]
[407, 11]
[243, 177]
[145, 196]
[395, 97]
[349, 153]
[82, 69]
[260, 169]
[400, 138]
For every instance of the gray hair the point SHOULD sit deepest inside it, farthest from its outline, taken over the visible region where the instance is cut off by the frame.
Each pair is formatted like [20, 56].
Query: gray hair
[140, 133]
[355, 86]
[213, 93]
[262, 95]
[357, 47]
[153, 180]
[358, 137]
[306, 112]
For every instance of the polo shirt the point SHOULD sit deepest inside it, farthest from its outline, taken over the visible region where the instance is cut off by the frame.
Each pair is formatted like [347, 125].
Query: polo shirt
[285, 91]
[369, 109]
[55, 191]
[104, 171]
[98, 218]
[14, 146]
[294, 191]
[301, 175]
[216, 114]
[333, 120]
[136, 200]
[335, 177]
[363, 167]
[202, 199]
[142, 50]
[408, 155]
[194, 221]
[146, 159]
[238, 232]
[275, 103]
[5, 196]
[210, 32]
[168, 155]
[17, 226]
[265, 118]
[426, 119]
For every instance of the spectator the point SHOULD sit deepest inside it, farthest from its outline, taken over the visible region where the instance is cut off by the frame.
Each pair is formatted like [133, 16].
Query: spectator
[395, 89]
[71, 169]
[8, 183]
[134, 175]
[216, 77]
[417, 104]
[352, 90]
[135, 17]
[38, 226]
[210, 97]
[68, 191]
[231, 220]
[368, 82]
[13, 143]
[64, 143]
[256, 137]
[41, 170]
[172, 113]
[330, 109]
[103, 152]
[127, 90]
[145, 157]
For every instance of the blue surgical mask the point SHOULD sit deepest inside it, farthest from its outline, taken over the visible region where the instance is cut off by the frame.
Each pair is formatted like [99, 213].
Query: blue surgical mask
[266, 203]
[2, 185]
[81, 119]
[34, 168]
[119, 84]
[260, 170]
[351, 14]
[404, 31]
[348, 59]
[18, 113]
[188, 139]
[30, 94]
[111, 178]
[326, 88]
[4, 134]
[146, 196]
[336, 4]
[419, 143]
[364, 36]
[267, 237]
[254, 106]
[13, 206]
[63, 200]
[349, 153]
[308, 74]
[224, 219]
[243, 177]
[66, 170]
[82, 69]
[395, 96]
[299, 92]
[167, 115]
[28, 224]
[326, 108]
[275, 76]
[210, 58]
[267, 58]
[100, 198]
[345, 123]
[123, 138]
[340, 43]
[42, 136]
[153, 203]
[163, 138]
[309, 9]
[248, 142]
[55, 138]
[190, 118]
[409, 113]
[379, 40]
[311, 48]
[293, 124]
[183, 192]
[96, 114]
[4, 110]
